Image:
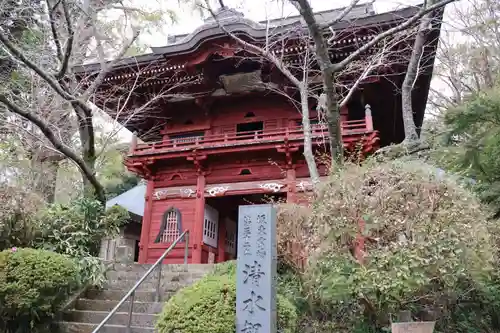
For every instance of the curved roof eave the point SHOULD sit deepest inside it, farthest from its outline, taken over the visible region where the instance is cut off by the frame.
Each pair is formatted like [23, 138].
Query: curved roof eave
[191, 42]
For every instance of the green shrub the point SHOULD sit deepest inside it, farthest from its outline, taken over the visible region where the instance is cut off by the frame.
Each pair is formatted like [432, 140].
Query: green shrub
[429, 245]
[18, 210]
[209, 306]
[33, 286]
[77, 230]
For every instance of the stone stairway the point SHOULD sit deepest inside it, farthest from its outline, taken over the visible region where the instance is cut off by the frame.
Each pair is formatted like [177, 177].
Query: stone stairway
[94, 305]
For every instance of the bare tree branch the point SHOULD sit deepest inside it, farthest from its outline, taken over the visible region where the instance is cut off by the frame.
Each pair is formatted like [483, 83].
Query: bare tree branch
[105, 68]
[49, 134]
[341, 15]
[403, 26]
[51, 80]
[55, 34]
[69, 43]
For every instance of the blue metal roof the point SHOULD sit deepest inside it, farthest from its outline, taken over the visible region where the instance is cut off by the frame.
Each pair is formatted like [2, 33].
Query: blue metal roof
[132, 200]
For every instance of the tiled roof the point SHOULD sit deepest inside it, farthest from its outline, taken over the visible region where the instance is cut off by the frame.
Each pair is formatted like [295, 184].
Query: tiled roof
[132, 200]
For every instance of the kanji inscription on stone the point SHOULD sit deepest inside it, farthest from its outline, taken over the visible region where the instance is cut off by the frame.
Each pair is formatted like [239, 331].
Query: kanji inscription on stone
[256, 270]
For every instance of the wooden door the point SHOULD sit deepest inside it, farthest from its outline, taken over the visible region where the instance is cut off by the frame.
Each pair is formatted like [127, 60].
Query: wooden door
[211, 226]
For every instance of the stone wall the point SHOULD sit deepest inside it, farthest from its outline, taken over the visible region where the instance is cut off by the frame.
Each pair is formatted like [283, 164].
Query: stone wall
[123, 247]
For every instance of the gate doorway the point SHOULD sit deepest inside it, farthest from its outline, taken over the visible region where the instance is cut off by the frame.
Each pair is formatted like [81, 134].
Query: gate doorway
[227, 208]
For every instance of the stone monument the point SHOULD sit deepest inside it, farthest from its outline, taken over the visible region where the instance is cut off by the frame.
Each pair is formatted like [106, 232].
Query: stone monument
[413, 327]
[256, 270]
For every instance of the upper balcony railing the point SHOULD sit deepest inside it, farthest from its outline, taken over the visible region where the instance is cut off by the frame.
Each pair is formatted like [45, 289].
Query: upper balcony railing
[348, 128]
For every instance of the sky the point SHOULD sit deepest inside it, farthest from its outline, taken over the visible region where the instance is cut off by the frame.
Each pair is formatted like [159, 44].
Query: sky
[257, 10]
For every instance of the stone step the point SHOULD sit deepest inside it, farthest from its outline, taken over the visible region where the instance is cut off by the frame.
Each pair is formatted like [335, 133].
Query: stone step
[124, 267]
[119, 318]
[75, 327]
[165, 275]
[103, 305]
[117, 295]
[165, 285]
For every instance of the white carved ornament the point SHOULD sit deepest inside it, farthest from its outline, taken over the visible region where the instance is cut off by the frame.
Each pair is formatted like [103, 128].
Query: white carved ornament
[217, 190]
[165, 192]
[187, 192]
[160, 194]
[274, 187]
[304, 186]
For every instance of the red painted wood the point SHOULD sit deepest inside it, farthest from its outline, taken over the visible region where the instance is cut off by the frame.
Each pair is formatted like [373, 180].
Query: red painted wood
[185, 206]
[226, 170]
[272, 155]
[176, 256]
[146, 223]
[352, 130]
[155, 250]
[197, 237]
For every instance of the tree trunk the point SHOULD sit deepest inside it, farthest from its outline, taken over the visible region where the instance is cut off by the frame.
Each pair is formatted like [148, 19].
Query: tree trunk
[333, 120]
[308, 151]
[327, 75]
[86, 132]
[410, 129]
[50, 170]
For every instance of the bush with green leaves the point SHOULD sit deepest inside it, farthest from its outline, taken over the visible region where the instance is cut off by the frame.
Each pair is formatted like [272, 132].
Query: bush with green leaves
[76, 230]
[428, 245]
[209, 306]
[471, 144]
[19, 208]
[34, 284]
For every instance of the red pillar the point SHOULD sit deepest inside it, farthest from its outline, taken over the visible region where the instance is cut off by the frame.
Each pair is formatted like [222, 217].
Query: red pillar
[146, 223]
[291, 196]
[199, 216]
[221, 242]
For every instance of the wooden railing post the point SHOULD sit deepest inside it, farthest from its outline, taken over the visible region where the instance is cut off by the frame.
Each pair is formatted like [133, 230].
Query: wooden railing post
[368, 118]
[133, 144]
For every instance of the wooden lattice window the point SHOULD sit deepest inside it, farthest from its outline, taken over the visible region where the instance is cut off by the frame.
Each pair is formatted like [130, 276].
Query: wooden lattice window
[211, 226]
[209, 232]
[187, 137]
[230, 241]
[171, 227]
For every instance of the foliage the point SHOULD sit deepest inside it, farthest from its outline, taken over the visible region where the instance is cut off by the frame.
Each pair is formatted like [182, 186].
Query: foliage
[124, 183]
[291, 233]
[34, 284]
[473, 148]
[187, 310]
[16, 216]
[77, 229]
[110, 170]
[427, 239]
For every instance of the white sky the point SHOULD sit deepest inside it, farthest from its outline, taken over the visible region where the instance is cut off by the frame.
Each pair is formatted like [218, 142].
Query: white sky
[257, 10]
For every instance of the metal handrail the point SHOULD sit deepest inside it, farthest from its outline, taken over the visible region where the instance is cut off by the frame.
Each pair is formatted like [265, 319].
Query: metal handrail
[131, 292]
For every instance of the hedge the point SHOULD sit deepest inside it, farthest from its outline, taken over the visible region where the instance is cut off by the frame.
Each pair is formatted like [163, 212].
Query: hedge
[34, 284]
[209, 306]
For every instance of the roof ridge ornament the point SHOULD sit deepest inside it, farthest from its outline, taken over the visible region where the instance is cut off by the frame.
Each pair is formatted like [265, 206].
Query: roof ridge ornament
[223, 14]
